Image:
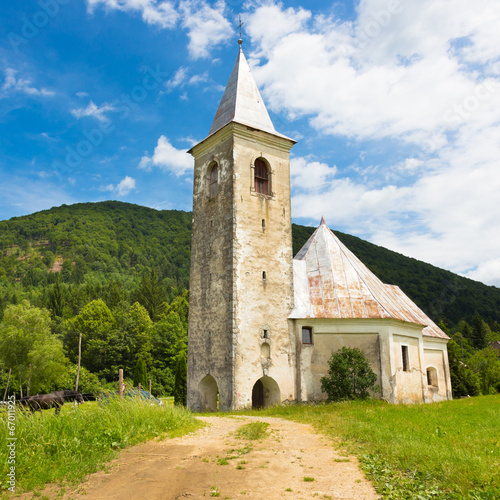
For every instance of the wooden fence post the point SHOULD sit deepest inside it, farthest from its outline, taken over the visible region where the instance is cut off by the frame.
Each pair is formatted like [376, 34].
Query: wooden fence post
[79, 361]
[149, 390]
[120, 382]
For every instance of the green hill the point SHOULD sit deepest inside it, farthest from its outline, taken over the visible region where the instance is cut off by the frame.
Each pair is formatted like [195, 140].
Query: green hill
[102, 250]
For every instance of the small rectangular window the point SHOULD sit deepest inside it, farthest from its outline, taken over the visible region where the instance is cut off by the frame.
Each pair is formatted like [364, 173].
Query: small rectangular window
[406, 361]
[306, 335]
[261, 175]
[432, 378]
[265, 334]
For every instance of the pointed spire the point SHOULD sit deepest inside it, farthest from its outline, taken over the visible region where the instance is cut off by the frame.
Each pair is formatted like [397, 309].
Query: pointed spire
[242, 102]
[322, 223]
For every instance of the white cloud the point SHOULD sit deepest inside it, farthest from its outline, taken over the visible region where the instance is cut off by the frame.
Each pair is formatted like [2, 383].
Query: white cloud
[168, 158]
[204, 21]
[22, 85]
[310, 176]
[48, 137]
[276, 23]
[323, 70]
[486, 270]
[206, 25]
[158, 13]
[93, 110]
[404, 76]
[123, 188]
[181, 78]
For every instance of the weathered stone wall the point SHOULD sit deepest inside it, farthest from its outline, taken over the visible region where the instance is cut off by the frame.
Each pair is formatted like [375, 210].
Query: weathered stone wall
[238, 328]
[211, 282]
[380, 341]
[436, 356]
[407, 385]
[330, 336]
[262, 244]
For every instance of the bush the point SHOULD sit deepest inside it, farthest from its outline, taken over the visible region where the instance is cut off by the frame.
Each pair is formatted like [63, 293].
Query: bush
[140, 373]
[180, 373]
[349, 377]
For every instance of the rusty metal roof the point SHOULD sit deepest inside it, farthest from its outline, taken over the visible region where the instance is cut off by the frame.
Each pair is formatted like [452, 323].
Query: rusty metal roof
[331, 282]
[242, 102]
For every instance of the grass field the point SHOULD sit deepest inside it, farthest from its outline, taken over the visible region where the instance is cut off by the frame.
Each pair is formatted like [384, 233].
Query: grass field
[448, 450]
[65, 448]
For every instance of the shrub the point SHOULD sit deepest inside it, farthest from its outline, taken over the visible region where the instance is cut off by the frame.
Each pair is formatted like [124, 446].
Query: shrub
[180, 373]
[349, 377]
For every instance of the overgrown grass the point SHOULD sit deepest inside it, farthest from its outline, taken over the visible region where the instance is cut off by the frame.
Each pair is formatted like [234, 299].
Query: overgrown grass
[65, 448]
[448, 450]
[253, 431]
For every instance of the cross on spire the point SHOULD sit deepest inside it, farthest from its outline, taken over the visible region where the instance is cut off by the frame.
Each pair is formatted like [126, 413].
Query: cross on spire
[240, 41]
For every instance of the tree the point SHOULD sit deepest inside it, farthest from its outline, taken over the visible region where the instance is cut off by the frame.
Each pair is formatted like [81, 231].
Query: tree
[151, 294]
[28, 347]
[180, 373]
[180, 305]
[480, 331]
[349, 376]
[56, 299]
[464, 382]
[140, 332]
[136, 331]
[101, 345]
[169, 337]
[486, 365]
[89, 382]
[140, 373]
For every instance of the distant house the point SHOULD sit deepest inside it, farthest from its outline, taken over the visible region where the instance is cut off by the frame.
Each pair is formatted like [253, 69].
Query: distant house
[262, 324]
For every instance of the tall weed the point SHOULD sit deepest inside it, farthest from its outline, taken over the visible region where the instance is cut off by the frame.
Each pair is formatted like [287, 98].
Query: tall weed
[67, 447]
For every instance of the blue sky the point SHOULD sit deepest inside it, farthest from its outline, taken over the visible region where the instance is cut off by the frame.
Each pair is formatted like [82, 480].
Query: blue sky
[395, 106]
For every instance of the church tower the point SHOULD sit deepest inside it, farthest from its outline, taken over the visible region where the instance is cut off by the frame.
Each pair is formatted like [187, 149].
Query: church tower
[240, 345]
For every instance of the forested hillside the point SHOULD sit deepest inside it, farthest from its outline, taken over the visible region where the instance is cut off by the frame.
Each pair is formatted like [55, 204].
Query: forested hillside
[118, 275]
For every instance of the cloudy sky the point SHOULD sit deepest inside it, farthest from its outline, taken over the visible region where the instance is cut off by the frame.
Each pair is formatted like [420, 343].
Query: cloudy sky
[395, 105]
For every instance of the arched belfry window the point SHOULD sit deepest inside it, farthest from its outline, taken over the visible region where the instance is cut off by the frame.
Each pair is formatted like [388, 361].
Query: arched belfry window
[261, 177]
[213, 183]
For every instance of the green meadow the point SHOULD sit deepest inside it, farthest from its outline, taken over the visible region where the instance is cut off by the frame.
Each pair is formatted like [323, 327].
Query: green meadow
[448, 450]
[65, 448]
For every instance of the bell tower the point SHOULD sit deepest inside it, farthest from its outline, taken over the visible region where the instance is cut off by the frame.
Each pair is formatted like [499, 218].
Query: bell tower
[240, 347]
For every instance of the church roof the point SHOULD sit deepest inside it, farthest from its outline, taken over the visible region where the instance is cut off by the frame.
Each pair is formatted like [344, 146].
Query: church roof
[331, 282]
[242, 102]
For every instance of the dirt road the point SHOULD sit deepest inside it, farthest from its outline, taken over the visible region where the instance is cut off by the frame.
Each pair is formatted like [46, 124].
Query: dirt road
[194, 467]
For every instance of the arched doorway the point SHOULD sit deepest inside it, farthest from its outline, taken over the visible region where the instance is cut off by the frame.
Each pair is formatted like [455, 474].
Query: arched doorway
[208, 392]
[265, 392]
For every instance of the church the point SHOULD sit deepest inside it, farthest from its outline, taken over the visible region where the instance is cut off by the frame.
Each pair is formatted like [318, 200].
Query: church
[263, 323]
